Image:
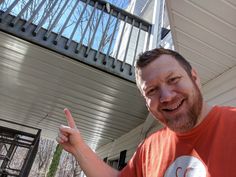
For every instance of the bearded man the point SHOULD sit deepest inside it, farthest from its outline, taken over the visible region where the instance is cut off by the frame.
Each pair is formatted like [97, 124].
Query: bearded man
[197, 140]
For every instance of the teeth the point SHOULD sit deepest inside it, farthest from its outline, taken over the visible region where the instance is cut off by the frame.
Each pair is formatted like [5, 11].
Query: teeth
[174, 106]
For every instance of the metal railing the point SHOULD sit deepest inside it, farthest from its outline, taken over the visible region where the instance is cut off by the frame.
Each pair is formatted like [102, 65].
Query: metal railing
[92, 31]
[17, 148]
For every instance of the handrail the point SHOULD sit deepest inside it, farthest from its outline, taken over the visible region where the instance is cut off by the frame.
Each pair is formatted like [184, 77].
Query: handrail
[93, 24]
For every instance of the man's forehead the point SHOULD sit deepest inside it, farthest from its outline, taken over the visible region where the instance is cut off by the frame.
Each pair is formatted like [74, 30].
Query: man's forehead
[160, 67]
[161, 70]
[157, 77]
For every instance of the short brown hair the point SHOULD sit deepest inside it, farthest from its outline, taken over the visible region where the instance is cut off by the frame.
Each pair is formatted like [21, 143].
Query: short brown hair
[147, 57]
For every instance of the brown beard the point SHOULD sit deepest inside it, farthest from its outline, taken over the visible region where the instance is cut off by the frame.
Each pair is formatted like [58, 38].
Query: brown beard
[188, 120]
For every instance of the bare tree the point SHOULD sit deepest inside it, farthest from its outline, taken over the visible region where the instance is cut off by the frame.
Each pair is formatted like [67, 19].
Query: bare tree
[68, 166]
[43, 157]
[92, 26]
[76, 168]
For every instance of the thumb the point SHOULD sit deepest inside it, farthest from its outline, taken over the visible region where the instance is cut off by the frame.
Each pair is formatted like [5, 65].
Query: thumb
[66, 129]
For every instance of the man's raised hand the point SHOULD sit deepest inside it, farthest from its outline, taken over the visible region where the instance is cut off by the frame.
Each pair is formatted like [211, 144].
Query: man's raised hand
[69, 136]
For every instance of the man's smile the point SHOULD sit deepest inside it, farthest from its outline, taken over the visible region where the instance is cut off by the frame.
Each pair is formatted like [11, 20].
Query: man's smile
[173, 107]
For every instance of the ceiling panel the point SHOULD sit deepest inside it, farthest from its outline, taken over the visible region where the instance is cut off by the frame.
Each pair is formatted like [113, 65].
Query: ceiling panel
[37, 84]
[205, 33]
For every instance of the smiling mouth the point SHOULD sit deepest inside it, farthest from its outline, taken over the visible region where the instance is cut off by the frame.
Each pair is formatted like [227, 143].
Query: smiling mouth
[173, 107]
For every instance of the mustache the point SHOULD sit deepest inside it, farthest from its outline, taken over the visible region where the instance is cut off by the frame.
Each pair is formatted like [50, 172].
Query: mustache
[175, 100]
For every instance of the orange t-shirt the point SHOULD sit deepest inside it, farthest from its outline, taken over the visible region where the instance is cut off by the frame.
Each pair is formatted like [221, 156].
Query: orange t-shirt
[208, 150]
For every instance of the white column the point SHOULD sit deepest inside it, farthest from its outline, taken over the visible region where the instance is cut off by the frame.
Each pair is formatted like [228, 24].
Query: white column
[157, 19]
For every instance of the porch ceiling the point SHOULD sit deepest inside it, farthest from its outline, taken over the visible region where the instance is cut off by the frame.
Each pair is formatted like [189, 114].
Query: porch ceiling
[205, 33]
[36, 84]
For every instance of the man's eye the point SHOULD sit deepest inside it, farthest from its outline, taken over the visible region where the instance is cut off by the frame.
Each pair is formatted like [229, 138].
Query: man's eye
[151, 92]
[173, 80]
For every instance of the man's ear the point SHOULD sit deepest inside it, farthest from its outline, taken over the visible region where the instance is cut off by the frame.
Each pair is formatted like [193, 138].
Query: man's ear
[196, 77]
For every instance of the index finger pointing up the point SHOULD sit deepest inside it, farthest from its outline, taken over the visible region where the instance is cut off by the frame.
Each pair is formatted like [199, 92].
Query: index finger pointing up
[69, 118]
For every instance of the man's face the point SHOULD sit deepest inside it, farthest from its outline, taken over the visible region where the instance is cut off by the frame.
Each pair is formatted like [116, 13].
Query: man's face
[171, 95]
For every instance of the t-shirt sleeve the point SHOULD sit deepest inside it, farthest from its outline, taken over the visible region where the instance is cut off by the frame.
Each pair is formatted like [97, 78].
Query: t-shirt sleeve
[134, 166]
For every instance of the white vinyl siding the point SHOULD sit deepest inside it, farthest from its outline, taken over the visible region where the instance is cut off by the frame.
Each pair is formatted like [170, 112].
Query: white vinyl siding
[222, 90]
[127, 142]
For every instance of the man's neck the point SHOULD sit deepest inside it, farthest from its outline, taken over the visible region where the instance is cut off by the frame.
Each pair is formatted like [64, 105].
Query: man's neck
[205, 110]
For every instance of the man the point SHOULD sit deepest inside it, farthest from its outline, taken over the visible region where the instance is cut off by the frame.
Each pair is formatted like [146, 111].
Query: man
[197, 140]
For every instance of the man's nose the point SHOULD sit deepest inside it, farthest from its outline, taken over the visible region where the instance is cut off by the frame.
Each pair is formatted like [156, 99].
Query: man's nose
[166, 94]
